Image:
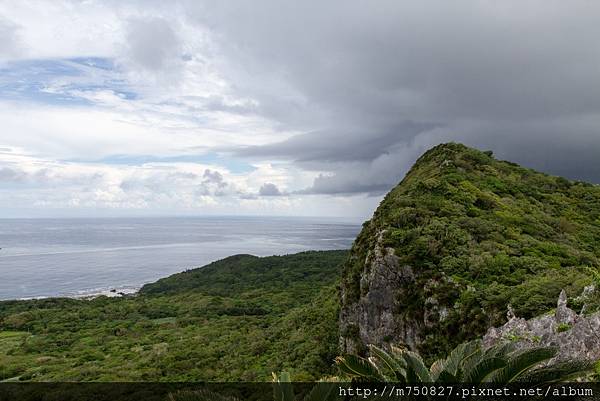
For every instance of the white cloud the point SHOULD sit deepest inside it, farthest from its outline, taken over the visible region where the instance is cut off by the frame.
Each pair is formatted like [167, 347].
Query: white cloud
[323, 112]
[64, 28]
[29, 182]
[10, 45]
[156, 85]
[118, 126]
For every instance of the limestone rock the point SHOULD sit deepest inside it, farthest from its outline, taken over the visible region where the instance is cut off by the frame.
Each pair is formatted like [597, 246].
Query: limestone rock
[375, 314]
[577, 337]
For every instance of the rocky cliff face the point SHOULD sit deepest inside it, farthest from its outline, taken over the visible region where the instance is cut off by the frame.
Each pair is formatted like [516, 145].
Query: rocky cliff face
[377, 316]
[461, 237]
[577, 336]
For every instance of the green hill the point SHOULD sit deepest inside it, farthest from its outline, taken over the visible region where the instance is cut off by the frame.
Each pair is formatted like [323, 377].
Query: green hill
[461, 237]
[240, 318]
[242, 273]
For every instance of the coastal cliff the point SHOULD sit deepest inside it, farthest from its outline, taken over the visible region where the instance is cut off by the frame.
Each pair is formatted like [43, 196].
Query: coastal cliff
[459, 239]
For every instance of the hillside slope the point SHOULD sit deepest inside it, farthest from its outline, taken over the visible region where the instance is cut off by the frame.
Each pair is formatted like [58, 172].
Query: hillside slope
[238, 319]
[241, 273]
[461, 237]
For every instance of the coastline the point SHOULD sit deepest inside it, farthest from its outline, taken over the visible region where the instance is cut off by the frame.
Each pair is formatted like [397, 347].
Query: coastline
[113, 292]
[43, 258]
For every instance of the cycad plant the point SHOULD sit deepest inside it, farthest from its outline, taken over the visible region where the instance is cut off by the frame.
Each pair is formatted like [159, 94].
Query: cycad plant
[468, 363]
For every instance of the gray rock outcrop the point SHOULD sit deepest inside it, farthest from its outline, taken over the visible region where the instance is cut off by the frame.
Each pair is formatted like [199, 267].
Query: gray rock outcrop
[577, 336]
[380, 316]
[374, 318]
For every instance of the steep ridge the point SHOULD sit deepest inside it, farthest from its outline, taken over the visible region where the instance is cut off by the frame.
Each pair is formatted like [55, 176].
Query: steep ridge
[461, 237]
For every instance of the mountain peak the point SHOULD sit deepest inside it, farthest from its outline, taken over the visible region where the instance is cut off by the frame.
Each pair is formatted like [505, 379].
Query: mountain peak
[461, 237]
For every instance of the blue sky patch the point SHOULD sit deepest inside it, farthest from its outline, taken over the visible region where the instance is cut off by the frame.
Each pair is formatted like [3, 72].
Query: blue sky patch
[57, 81]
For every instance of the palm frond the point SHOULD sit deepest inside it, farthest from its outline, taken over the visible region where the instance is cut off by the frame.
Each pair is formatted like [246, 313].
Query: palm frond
[416, 371]
[437, 368]
[501, 349]
[560, 372]
[520, 362]
[390, 368]
[468, 363]
[458, 354]
[356, 366]
[483, 367]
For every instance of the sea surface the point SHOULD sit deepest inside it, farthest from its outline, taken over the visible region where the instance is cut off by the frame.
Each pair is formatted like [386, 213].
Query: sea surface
[80, 257]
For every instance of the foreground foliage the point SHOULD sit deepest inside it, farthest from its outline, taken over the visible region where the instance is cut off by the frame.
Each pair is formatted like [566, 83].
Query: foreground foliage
[244, 318]
[468, 363]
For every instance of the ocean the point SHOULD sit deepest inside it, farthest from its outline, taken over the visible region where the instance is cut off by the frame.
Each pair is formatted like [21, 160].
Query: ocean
[82, 257]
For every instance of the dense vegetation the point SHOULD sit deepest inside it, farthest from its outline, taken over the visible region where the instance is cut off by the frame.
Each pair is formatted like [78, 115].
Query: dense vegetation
[487, 233]
[479, 234]
[240, 318]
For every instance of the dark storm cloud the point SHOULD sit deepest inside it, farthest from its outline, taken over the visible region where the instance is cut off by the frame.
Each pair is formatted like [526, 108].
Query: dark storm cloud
[335, 184]
[269, 189]
[337, 146]
[375, 84]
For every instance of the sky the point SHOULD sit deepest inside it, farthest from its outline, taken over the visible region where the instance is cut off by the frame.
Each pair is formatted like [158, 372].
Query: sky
[281, 107]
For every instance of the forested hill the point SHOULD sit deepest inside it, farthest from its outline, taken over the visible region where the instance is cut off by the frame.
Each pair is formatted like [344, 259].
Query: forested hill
[240, 318]
[461, 237]
[239, 273]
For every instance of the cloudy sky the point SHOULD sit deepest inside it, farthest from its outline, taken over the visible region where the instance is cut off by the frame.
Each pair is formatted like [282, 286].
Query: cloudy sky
[281, 107]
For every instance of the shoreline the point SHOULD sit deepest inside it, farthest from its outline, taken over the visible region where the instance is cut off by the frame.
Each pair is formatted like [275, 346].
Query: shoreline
[113, 292]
